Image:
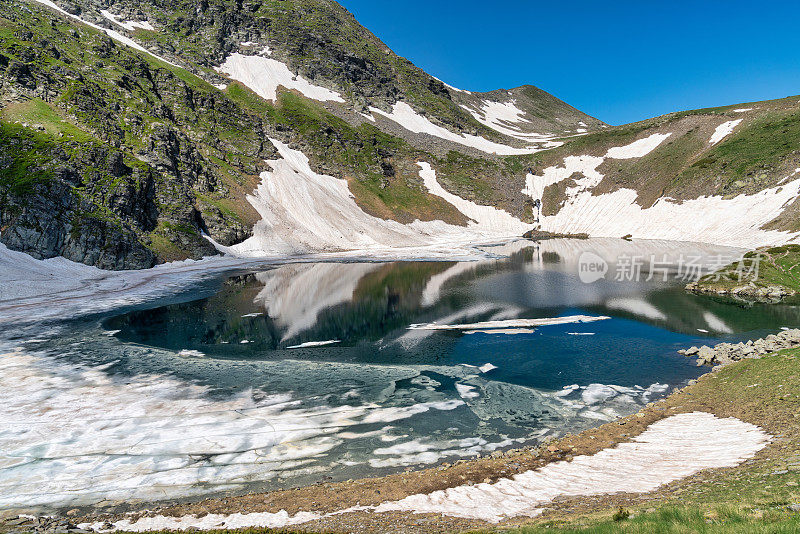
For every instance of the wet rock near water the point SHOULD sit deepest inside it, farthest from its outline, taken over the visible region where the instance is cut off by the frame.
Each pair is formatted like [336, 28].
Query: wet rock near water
[749, 292]
[727, 353]
[43, 525]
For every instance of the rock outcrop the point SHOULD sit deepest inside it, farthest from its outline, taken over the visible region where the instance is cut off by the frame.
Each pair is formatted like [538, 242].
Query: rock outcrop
[749, 292]
[727, 353]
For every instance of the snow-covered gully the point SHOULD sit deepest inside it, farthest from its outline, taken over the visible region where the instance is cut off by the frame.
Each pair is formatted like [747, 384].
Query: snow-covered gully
[668, 450]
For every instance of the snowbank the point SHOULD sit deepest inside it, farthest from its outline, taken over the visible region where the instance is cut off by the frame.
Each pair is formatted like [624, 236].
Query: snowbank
[735, 222]
[486, 218]
[264, 75]
[505, 118]
[405, 116]
[668, 450]
[637, 149]
[303, 212]
[723, 131]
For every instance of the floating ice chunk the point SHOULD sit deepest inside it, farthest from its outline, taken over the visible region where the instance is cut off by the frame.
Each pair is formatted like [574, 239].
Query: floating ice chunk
[466, 391]
[595, 393]
[511, 323]
[502, 331]
[581, 333]
[309, 344]
[723, 131]
[187, 353]
[485, 368]
[389, 415]
[264, 75]
[637, 149]
[567, 390]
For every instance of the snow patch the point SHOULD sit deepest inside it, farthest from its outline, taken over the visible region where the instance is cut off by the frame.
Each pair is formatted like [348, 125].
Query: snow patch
[302, 211]
[505, 118]
[637, 149]
[207, 522]
[733, 222]
[264, 75]
[723, 131]
[405, 116]
[129, 25]
[487, 218]
[668, 450]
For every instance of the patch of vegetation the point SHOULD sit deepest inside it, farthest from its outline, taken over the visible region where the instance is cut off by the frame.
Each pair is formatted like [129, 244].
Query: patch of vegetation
[683, 520]
[40, 115]
[753, 152]
[23, 155]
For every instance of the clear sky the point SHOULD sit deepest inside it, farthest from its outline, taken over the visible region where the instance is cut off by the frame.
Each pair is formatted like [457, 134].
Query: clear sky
[617, 60]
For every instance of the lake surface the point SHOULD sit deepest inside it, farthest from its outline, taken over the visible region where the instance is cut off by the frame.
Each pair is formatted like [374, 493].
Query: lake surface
[305, 372]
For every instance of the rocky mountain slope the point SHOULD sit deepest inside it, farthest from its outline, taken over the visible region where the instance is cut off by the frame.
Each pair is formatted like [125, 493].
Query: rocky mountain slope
[137, 133]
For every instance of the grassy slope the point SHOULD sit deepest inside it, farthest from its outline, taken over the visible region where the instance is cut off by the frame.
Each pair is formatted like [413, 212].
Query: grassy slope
[762, 151]
[317, 38]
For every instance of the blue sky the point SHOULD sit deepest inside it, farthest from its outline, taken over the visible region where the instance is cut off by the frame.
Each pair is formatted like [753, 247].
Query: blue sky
[620, 61]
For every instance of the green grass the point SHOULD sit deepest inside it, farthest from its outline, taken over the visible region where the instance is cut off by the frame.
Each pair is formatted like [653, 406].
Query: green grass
[39, 112]
[685, 520]
[23, 154]
[749, 157]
